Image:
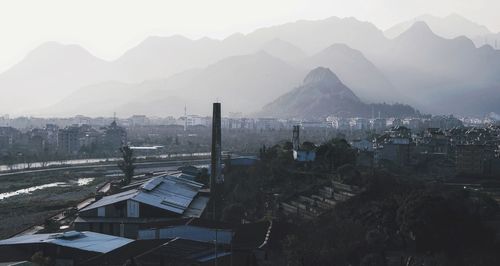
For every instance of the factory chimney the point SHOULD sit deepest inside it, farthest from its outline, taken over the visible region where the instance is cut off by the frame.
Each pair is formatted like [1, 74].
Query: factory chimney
[296, 138]
[216, 164]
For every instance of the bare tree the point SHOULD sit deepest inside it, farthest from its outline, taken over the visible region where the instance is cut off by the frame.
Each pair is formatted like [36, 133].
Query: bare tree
[127, 164]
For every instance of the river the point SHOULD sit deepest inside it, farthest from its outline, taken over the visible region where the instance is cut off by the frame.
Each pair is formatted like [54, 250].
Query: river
[79, 182]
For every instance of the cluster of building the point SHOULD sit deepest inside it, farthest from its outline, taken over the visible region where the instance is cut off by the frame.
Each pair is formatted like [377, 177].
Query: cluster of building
[464, 150]
[333, 122]
[382, 124]
[25, 123]
[154, 220]
[237, 121]
[64, 141]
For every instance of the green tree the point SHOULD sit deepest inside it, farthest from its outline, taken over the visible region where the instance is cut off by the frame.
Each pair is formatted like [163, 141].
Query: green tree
[334, 153]
[441, 222]
[349, 175]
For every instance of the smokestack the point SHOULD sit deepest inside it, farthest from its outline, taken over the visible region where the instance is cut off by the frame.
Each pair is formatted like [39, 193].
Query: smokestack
[296, 137]
[216, 171]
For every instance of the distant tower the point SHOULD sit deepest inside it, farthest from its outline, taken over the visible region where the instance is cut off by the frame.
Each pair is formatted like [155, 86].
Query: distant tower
[216, 160]
[185, 118]
[296, 138]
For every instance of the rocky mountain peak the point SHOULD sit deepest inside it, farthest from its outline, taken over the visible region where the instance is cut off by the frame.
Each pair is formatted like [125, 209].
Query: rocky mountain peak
[321, 75]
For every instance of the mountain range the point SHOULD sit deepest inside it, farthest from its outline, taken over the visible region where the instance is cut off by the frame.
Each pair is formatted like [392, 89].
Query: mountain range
[421, 64]
[450, 27]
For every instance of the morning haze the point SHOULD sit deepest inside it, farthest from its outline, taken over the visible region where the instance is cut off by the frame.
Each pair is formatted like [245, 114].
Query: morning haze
[428, 62]
[256, 133]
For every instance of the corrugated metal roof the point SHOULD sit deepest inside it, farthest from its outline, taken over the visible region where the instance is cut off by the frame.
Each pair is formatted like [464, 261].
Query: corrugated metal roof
[190, 250]
[88, 241]
[153, 183]
[196, 233]
[129, 194]
[197, 207]
[170, 193]
[185, 176]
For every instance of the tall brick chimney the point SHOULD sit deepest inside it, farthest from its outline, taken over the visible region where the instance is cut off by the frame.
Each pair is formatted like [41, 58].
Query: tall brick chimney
[216, 164]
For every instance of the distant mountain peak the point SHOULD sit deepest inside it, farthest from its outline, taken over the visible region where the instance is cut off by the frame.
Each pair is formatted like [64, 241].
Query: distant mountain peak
[283, 50]
[321, 75]
[420, 27]
[418, 32]
[449, 27]
[56, 47]
[341, 48]
[50, 52]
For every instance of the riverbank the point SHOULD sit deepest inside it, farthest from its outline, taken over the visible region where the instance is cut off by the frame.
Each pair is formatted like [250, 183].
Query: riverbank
[22, 210]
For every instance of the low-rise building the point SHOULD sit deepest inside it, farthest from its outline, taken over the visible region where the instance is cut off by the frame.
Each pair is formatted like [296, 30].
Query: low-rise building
[69, 248]
[162, 197]
[474, 158]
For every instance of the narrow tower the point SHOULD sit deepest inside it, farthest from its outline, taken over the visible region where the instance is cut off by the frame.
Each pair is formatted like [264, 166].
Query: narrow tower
[296, 138]
[215, 168]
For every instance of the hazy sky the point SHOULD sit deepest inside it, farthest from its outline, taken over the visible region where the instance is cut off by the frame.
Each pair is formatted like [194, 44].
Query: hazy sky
[108, 27]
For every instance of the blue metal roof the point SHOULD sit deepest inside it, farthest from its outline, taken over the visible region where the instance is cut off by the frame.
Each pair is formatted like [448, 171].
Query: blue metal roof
[190, 232]
[167, 192]
[88, 241]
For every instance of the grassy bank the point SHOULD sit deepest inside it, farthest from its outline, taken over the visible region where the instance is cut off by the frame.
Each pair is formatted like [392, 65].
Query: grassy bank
[21, 211]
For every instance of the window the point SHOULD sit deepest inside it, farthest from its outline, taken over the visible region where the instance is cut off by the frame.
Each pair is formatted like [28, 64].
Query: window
[132, 209]
[101, 211]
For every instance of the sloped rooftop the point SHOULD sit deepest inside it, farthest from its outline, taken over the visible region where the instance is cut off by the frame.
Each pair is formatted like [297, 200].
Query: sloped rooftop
[171, 193]
[88, 241]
